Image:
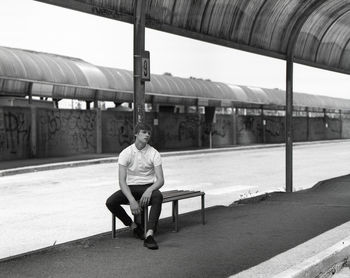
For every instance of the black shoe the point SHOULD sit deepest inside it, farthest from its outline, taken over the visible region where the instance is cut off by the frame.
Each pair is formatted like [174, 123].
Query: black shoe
[139, 232]
[150, 243]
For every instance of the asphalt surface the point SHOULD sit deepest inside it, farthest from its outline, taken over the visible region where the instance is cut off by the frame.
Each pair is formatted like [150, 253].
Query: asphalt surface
[43, 208]
[234, 239]
[260, 238]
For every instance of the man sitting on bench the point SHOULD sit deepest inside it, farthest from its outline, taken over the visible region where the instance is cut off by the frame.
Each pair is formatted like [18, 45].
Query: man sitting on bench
[140, 177]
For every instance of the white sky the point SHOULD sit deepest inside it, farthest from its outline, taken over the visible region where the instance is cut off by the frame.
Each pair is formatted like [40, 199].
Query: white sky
[37, 26]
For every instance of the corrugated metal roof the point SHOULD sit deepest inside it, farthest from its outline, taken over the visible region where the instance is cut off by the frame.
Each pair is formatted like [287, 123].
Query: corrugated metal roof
[66, 77]
[45, 67]
[319, 29]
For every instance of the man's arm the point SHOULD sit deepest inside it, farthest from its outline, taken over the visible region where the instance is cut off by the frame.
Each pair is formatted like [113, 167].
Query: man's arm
[146, 196]
[134, 206]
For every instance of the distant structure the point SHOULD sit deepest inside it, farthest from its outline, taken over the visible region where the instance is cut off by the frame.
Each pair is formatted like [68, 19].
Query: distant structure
[185, 113]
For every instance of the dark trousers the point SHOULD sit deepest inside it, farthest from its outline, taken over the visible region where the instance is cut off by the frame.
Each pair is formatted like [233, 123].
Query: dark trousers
[117, 199]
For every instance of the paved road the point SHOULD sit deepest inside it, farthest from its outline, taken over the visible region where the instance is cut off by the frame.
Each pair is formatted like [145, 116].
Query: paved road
[45, 208]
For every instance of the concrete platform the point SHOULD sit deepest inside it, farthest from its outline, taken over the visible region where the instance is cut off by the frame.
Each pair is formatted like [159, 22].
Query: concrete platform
[279, 236]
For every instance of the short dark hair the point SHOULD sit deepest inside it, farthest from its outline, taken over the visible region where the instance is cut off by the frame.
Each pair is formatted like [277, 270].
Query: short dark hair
[142, 126]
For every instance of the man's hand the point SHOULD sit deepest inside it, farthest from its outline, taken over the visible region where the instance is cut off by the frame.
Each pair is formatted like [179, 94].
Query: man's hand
[146, 197]
[135, 208]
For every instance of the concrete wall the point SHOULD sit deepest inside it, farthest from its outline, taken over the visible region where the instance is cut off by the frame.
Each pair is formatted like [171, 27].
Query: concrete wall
[223, 130]
[44, 132]
[65, 132]
[334, 128]
[177, 131]
[346, 127]
[249, 130]
[117, 130]
[300, 131]
[15, 125]
[317, 129]
[275, 129]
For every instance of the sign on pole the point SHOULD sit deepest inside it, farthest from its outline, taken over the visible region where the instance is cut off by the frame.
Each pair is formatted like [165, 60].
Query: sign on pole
[146, 68]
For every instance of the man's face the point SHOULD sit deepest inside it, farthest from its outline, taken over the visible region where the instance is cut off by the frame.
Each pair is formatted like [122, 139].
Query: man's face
[143, 136]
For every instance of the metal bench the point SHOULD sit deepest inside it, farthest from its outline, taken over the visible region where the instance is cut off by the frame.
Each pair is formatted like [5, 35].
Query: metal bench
[171, 196]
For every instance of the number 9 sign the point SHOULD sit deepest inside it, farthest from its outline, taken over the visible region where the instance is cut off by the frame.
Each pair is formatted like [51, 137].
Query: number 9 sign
[146, 70]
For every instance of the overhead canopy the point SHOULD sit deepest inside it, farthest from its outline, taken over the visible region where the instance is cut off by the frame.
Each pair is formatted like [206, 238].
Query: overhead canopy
[24, 72]
[315, 32]
[18, 66]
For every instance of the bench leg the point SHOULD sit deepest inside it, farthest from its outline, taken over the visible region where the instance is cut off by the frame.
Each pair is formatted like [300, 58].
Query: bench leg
[203, 210]
[176, 215]
[145, 218]
[113, 225]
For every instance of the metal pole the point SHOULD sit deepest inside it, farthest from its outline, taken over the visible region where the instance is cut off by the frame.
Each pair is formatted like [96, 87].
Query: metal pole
[263, 125]
[341, 124]
[289, 91]
[30, 93]
[139, 48]
[289, 126]
[307, 124]
[234, 125]
[199, 129]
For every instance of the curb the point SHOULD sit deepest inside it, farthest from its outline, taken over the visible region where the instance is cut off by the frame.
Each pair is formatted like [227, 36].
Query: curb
[54, 166]
[61, 165]
[323, 264]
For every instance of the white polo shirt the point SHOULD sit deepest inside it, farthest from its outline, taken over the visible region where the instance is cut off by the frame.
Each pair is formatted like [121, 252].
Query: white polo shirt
[140, 164]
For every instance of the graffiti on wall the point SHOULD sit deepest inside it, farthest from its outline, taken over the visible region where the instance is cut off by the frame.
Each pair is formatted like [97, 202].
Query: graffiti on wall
[187, 129]
[317, 128]
[68, 130]
[121, 129]
[14, 132]
[222, 127]
[248, 130]
[274, 127]
[177, 130]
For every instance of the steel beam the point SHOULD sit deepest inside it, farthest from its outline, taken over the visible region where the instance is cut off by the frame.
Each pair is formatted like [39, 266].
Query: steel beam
[139, 48]
[289, 89]
[289, 126]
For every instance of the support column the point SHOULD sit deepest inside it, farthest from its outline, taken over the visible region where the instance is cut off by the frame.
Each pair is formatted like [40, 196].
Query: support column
[139, 48]
[55, 103]
[33, 132]
[302, 19]
[234, 125]
[307, 124]
[199, 128]
[98, 130]
[341, 124]
[155, 132]
[325, 128]
[263, 124]
[209, 121]
[30, 94]
[289, 126]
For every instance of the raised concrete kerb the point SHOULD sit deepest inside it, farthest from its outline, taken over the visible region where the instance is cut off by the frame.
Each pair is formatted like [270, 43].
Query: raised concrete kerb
[321, 263]
[52, 166]
[327, 250]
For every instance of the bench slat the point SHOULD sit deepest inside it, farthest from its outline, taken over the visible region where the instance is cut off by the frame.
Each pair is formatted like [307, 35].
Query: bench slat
[180, 195]
[167, 194]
